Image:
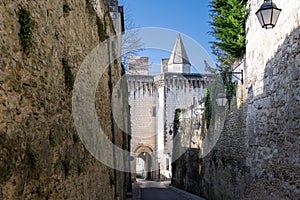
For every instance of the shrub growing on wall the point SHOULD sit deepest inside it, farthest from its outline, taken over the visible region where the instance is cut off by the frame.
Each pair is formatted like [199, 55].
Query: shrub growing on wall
[25, 33]
[176, 121]
[207, 108]
[69, 77]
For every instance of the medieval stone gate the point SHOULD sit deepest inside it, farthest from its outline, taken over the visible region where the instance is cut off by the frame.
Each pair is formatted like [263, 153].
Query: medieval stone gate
[153, 100]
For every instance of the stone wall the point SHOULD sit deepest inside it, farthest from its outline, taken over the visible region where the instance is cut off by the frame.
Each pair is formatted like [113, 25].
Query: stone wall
[257, 154]
[273, 130]
[41, 155]
[214, 162]
[222, 174]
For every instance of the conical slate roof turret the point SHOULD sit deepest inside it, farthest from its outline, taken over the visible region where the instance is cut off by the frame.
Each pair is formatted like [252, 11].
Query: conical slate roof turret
[179, 55]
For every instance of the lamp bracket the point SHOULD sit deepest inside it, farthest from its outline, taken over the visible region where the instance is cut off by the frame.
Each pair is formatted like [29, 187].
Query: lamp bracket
[234, 74]
[239, 78]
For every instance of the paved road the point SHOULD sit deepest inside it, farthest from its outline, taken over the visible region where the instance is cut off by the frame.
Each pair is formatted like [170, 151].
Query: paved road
[151, 190]
[160, 194]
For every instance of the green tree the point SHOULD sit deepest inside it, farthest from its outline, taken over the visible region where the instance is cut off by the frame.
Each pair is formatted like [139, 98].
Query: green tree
[228, 27]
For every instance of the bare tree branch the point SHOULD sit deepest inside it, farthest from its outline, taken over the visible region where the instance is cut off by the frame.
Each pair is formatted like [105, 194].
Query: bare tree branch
[131, 41]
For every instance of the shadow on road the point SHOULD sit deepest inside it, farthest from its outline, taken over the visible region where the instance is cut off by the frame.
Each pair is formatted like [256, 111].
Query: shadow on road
[152, 190]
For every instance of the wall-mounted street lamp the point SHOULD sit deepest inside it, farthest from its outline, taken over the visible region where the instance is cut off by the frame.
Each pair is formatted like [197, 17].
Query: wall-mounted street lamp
[171, 127]
[221, 99]
[268, 14]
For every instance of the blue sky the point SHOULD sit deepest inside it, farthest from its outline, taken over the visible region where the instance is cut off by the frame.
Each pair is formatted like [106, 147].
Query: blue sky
[190, 17]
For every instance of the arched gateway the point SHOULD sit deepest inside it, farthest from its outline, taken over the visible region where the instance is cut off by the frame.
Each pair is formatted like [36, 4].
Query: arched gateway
[142, 164]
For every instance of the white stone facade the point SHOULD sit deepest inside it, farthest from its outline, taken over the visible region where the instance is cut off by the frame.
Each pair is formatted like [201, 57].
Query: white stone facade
[153, 101]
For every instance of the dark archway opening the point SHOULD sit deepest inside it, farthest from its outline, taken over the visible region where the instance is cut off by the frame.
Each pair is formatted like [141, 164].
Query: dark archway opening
[143, 166]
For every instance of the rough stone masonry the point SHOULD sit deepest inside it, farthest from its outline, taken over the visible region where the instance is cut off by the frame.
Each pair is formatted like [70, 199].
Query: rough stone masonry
[43, 44]
[257, 155]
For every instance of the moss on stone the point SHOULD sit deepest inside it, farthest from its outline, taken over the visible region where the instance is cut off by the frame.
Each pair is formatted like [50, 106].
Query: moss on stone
[69, 78]
[32, 158]
[25, 33]
[75, 138]
[89, 7]
[176, 121]
[229, 85]
[111, 179]
[66, 9]
[66, 166]
[207, 108]
[80, 168]
[101, 29]
[52, 139]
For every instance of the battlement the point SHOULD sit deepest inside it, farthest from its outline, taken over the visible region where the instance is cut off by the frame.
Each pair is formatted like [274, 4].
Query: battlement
[179, 81]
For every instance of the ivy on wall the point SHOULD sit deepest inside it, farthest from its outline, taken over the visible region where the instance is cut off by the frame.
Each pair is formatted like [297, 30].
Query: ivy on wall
[32, 158]
[229, 86]
[207, 108]
[25, 33]
[66, 166]
[69, 77]
[101, 28]
[176, 121]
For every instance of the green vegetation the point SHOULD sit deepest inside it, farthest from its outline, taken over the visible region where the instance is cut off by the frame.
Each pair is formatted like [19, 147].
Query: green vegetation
[43, 194]
[115, 61]
[176, 121]
[80, 168]
[124, 146]
[89, 7]
[101, 29]
[66, 165]
[69, 78]
[39, 190]
[111, 179]
[32, 158]
[229, 85]
[228, 26]
[25, 33]
[66, 8]
[52, 139]
[207, 108]
[75, 138]
[138, 176]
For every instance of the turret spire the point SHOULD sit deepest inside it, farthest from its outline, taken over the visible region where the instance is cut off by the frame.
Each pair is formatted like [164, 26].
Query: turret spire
[179, 55]
[179, 61]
